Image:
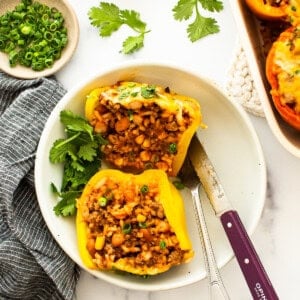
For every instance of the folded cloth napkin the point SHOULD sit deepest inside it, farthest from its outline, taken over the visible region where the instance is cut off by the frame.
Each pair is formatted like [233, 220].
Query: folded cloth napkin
[32, 265]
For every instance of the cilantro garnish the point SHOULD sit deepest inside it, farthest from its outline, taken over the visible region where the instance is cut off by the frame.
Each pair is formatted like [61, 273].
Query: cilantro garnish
[178, 184]
[201, 26]
[148, 91]
[80, 154]
[109, 18]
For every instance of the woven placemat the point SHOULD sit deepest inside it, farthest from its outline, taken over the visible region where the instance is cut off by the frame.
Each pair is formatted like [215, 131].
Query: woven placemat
[240, 86]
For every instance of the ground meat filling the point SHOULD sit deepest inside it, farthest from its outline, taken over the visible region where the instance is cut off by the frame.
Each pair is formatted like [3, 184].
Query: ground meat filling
[141, 136]
[126, 220]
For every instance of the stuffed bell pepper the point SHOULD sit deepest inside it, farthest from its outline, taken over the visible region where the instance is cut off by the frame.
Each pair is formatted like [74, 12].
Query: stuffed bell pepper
[283, 74]
[276, 10]
[133, 223]
[272, 10]
[147, 126]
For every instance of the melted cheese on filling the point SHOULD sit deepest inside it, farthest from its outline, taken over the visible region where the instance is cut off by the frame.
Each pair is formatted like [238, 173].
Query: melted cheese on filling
[287, 58]
[128, 92]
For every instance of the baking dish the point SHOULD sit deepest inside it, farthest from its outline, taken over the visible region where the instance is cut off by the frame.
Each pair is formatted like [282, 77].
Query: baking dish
[256, 37]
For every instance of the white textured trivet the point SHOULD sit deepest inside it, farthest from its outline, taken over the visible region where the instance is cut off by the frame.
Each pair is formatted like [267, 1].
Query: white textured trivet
[240, 86]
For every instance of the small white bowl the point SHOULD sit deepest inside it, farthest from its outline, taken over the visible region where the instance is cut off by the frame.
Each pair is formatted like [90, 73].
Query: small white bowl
[71, 24]
[229, 139]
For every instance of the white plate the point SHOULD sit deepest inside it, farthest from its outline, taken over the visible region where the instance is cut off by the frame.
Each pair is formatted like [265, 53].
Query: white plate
[72, 26]
[229, 139]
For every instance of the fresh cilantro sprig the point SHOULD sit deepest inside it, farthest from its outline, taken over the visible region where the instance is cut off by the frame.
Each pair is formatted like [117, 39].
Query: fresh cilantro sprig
[81, 156]
[201, 26]
[109, 18]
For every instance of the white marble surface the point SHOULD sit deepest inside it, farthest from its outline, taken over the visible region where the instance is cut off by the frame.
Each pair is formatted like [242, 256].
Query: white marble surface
[276, 237]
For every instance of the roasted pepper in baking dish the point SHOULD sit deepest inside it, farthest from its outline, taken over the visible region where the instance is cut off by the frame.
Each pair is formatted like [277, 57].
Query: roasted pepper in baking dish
[147, 126]
[269, 9]
[133, 223]
[283, 75]
[293, 12]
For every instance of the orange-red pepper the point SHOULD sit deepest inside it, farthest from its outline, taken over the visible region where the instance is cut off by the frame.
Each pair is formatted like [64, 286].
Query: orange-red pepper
[285, 53]
[265, 10]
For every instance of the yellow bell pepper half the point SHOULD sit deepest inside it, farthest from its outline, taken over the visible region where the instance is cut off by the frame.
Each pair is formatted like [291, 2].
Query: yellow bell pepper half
[123, 242]
[153, 125]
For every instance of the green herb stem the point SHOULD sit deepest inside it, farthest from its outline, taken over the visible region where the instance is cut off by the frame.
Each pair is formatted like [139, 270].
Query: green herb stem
[66, 141]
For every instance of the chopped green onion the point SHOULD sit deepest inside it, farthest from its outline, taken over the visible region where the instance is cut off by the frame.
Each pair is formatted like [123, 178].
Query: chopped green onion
[162, 245]
[148, 91]
[13, 56]
[48, 36]
[142, 224]
[148, 165]
[102, 201]
[53, 26]
[10, 46]
[21, 42]
[130, 115]
[144, 189]
[172, 148]
[126, 228]
[26, 29]
[43, 43]
[48, 62]
[28, 55]
[33, 35]
[134, 94]
[2, 44]
[45, 18]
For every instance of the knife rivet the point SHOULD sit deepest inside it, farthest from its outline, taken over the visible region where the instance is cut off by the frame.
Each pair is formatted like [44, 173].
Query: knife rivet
[229, 225]
[246, 261]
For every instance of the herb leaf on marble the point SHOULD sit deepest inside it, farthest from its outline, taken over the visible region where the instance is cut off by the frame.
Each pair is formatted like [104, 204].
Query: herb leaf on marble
[202, 25]
[108, 18]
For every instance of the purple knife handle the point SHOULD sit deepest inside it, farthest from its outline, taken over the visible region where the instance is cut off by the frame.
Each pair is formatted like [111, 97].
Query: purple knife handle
[256, 277]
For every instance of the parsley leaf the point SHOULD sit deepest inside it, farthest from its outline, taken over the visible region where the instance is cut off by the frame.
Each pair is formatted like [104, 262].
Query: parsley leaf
[80, 153]
[109, 18]
[202, 26]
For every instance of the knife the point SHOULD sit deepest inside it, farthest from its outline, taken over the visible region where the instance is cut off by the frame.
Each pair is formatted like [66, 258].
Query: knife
[254, 273]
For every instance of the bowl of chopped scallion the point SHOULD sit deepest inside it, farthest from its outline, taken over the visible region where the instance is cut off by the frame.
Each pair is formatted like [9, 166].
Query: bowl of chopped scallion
[37, 37]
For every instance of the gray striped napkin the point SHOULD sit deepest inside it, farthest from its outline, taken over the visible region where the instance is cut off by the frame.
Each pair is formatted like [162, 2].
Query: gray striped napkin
[32, 265]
